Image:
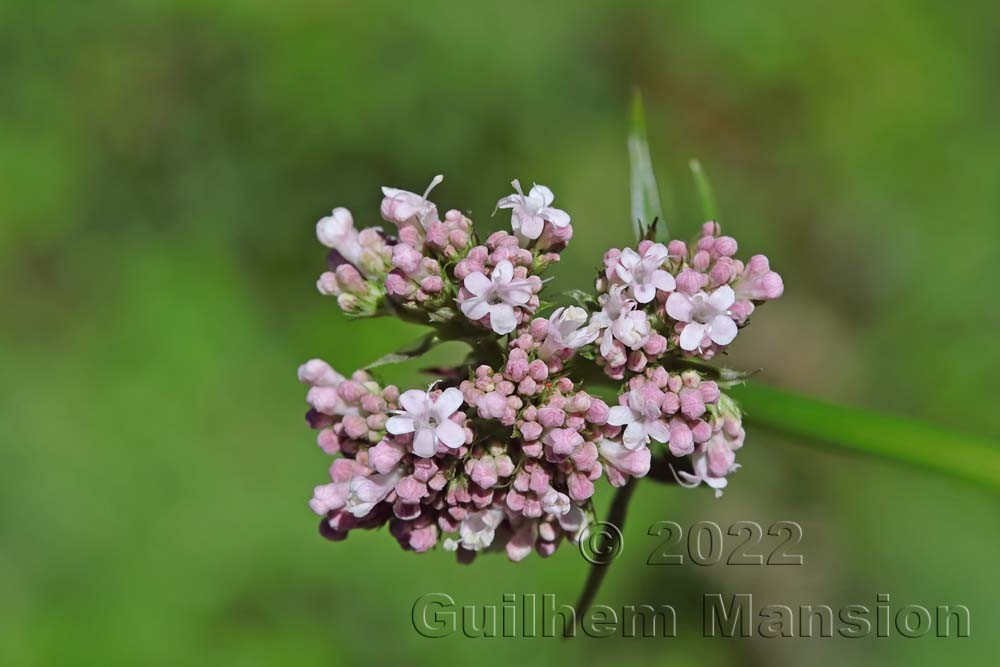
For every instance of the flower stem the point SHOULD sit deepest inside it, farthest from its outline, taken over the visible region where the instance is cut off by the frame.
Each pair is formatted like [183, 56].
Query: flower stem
[616, 517]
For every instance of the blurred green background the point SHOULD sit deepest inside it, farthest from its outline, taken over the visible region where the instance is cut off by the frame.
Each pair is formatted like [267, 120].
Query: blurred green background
[161, 169]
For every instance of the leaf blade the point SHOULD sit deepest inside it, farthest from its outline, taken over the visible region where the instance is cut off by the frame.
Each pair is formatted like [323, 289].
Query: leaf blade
[973, 458]
[709, 210]
[644, 193]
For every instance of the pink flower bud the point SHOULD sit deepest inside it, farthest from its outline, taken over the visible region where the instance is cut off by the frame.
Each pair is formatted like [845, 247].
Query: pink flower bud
[690, 282]
[538, 370]
[580, 488]
[692, 403]
[384, 456]
[531, 430]
[550, 417]
[324, 400]
[492, 405]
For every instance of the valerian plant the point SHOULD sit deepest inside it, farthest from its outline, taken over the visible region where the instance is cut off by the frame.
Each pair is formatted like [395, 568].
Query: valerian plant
[503, 452]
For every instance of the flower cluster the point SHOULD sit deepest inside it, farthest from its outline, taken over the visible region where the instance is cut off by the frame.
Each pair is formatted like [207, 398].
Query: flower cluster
[504, 452]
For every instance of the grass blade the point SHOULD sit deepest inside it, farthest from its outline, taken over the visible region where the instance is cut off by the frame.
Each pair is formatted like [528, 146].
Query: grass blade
[930, 447]
[645, 196]
[708, 209]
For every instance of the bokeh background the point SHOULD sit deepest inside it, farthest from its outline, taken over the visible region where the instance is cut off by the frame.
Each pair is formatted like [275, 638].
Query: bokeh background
[161, 169]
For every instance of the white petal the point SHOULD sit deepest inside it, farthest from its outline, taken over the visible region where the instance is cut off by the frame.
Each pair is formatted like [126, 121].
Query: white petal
[629, 258]
[663, 281]
[658, 430]
[620, 415]
[475, 308]
[556, 216]
[656, 254]
[425, 443]
[634, 436]
[679, 307]
[624, 273]
[722, 330]
[502, 272]
[448, 402]
[517, 292]
[722, 298]
[644, 293]
[477, 283]
[543, 193]
[397, 425]
[510, 201]
[414, 401]
[531, 226]
[451, 434]
[502, 318]
[692, 335]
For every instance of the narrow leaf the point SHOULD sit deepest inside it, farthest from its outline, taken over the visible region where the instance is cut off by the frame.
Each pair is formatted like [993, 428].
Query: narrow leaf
[705, 196]
[409, 352]
[933, 448]
[645, 195]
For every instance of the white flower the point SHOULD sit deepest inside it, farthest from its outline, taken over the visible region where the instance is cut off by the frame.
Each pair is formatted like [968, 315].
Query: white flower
[403, 207]
[364, 493]
[532, 211]
[641, 418]
[643, 273]
[476, 530]
[564, 331]
[496, 296]
[428, 420]
[699, 463]
[705, 315]
[619, 319]
[337, 231]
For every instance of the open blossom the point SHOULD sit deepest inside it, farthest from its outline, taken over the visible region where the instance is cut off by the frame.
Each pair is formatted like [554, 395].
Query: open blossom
[530, 212]
[566, 330]
[640, 414]
[619, 320]
[705, 316]
[644, 274]
[408, 208]
[337, 231]
[429, 420]
[496, 296]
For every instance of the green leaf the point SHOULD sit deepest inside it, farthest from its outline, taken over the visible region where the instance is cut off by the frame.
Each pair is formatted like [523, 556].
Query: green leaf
[645, 195]
[705, 196]
[409, 352]
[933, 448]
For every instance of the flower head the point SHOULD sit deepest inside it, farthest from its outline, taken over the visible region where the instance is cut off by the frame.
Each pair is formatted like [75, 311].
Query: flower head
[429, 420]
[530, 212]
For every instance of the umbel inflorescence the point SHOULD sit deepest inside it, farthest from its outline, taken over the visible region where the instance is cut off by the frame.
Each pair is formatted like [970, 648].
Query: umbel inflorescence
[503, 453]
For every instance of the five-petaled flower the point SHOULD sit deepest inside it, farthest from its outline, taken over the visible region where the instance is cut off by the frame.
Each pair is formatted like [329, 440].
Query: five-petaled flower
[704, 315]
[403, 207]
[640, 415]
[496, 296]
[530, 212]
[429, 420]
[644, 274]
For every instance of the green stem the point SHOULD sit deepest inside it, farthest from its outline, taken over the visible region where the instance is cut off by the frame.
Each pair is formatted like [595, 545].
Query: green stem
[973, 458]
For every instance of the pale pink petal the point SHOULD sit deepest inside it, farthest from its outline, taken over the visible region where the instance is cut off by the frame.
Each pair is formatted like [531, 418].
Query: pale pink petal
[475, 308]
[692, 335]
[629, 258]
[502, 318]
[517, 292]
[425, 443]
[663, 281]
[722, 298]
[679, 307]
[634, 436]
[643, 293]
[448, 402]
[450, 433]
[503, 272]
[510, 201]
[414, 401]
[620, 415]
[477, 283]
[722, 330]
[556, 216]
[658, 430]
[532, 226]
[543, 193]
[397, 425]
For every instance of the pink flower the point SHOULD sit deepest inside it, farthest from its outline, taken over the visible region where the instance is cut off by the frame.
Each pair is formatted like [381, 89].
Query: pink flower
[564, 332]
[759, 282]
[531, 212]
[644, 273]
[705, 315]
[409, 209]
[496, 296]
[428, 419]
[640, 415]
[623, 462]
